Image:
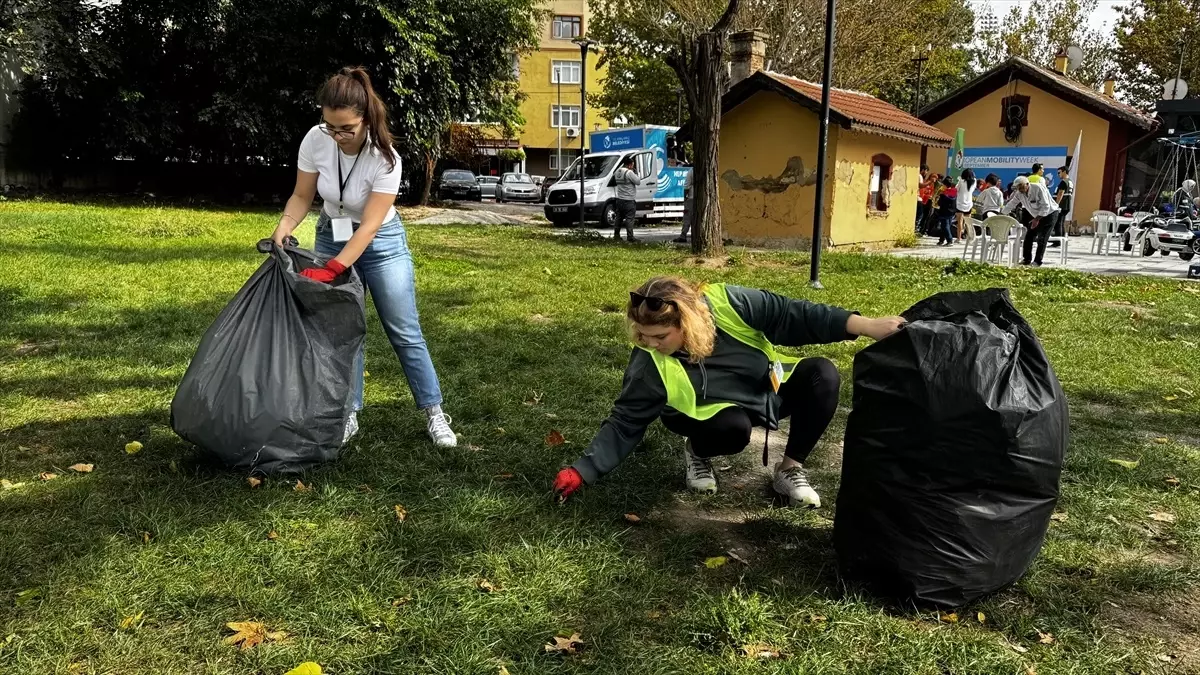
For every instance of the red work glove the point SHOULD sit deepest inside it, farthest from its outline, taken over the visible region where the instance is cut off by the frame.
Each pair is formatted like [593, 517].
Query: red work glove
[325, 274]
[567, 481]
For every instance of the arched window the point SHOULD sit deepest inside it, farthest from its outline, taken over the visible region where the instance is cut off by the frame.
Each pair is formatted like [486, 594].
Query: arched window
[881, 176]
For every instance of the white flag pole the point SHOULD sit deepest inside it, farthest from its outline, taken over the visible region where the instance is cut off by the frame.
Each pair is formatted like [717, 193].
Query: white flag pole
[1073, 175]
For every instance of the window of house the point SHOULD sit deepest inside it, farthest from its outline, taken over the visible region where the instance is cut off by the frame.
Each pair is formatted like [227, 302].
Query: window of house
[881, 176]
[567, 27]
[566, 116]
[566, 72]
[554, 165]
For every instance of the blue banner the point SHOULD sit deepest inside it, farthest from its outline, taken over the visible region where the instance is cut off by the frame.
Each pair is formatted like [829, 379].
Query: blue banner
[1008, 162]
[618, 139]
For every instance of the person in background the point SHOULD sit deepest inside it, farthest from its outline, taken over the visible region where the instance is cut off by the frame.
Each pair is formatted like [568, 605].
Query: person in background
[964, 201]
[991, 199]
[924, 192]
[349, 160]
[705, 362]
[932, 224]
[1064, 192]
[627, 182]
[947, 209]
[689, 209]
[1044, 211]
[1037, 174]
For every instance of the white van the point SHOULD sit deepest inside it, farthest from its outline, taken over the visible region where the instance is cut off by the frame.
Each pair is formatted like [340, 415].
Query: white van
[600, 189]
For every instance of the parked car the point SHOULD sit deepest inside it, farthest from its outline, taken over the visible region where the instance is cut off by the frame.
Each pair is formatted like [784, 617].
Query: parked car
[459, 184]
[488, 185]
[518, 187]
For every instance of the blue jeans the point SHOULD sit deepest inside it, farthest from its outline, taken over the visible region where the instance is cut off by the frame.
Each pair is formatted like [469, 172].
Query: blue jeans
[386, 267]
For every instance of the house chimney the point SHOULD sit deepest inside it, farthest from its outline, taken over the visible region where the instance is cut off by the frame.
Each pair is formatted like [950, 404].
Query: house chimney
[1110, 86]
[1060, 62]
[746, 51]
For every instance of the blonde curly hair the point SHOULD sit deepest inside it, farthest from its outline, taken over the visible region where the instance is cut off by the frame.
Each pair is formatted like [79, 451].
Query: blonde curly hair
[684, 307]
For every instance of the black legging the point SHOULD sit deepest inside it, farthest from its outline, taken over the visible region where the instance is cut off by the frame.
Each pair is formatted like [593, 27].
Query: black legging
[811, 391]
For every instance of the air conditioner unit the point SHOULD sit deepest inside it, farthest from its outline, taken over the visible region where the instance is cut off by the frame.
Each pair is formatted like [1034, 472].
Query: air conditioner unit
[572, 133]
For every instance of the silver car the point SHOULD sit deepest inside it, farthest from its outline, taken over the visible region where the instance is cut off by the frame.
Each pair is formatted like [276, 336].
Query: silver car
[488, 186]
[518, 187]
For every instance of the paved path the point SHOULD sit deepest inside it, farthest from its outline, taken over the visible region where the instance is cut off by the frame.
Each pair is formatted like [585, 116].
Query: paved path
[1079, 258]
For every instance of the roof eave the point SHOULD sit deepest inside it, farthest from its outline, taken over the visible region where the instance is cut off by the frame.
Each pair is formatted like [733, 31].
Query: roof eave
[900, 135]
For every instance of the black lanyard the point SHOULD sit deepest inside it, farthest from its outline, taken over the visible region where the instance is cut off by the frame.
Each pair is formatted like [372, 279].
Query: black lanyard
[342, 182]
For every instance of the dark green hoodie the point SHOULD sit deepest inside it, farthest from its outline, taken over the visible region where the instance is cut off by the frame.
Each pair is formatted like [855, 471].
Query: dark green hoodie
[734, 373]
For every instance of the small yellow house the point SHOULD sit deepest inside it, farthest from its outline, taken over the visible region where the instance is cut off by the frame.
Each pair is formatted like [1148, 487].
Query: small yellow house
[768, 156]
[1020, 108]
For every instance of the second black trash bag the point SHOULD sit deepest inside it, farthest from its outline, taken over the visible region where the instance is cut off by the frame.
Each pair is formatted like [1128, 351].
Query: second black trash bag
[952, 456]
[270, 386]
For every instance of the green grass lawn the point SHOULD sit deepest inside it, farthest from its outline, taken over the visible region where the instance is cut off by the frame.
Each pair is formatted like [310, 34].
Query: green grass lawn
[138, 566]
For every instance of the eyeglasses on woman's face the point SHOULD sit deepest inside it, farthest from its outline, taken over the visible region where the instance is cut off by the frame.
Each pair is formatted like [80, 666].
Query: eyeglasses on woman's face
[343, 125]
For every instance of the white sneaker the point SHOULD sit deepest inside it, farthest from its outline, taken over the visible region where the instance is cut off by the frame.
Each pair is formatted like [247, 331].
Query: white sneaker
[351, 428]
[440, 432]
[793, 484]
[699, 472]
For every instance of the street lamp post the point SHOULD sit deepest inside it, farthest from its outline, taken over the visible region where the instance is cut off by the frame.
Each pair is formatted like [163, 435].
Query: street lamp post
[558, 77]
[822, 145]
[584, 45]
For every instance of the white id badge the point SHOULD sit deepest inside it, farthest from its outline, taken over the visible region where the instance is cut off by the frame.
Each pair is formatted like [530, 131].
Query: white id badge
[776, 375]
[343, 229]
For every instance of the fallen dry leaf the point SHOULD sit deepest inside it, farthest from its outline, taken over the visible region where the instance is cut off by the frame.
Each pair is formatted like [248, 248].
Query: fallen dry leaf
[555, 438]
[545, 270]
[401, 601]
[46, 475]
[272, 535]
[1171, 480]
[365, 488]
[761, 651]
[249, 634]
[952, 617]
[82, 468]
[254, 482]
[817, 618]
[1018, 648]
[301, 487]
[1031, 669]
[1170, 398]
[981, 617]
[6, 484]
[502, 671]
[1162, 517]
[1045, 638]
[715, 562]
[306, 668]
[401, 512]
[633, 518]
[504, 476]
[133, 448]
[1128, 464]
[1167, 658]
[733, 553]
[486, 586]
[145, 537]
[1060, 516]
[131, 622]
[1161, 440]
[654, 615]
[1185, 392]
[535, 398]
[562, 645]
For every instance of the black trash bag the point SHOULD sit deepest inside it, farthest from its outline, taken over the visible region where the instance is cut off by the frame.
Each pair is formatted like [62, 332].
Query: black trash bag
[952, 456]
[270, 387]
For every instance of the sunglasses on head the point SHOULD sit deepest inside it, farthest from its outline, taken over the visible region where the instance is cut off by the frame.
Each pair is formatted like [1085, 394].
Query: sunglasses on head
[655, 304]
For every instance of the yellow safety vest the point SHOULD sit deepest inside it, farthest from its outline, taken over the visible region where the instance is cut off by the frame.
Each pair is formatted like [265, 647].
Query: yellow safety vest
[681, 395]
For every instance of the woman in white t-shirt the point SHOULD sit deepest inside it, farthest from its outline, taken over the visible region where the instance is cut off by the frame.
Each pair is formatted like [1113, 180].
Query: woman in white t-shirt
[964, 202]
[349, 159]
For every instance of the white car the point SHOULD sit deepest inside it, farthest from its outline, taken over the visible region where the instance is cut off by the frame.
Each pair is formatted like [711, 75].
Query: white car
[1165, 235]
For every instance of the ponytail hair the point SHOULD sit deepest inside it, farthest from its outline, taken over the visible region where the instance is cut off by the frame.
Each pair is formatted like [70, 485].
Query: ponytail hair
[351, 88]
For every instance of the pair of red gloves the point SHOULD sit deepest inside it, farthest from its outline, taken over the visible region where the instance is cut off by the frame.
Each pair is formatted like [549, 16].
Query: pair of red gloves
[325, 274]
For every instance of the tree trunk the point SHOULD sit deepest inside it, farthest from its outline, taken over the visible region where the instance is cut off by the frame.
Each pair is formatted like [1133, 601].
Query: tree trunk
[709, 71]
[430, 163]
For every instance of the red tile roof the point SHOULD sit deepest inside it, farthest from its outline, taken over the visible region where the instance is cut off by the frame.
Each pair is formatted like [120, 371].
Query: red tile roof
[869, 113]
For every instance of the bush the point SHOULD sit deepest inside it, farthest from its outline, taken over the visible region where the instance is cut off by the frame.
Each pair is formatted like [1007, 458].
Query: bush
[906, 240]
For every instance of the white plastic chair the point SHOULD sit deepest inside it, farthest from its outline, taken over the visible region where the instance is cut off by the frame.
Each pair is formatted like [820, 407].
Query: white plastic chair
[974, 239]
[1063, 242]
[1104, 232]
[1000, 238]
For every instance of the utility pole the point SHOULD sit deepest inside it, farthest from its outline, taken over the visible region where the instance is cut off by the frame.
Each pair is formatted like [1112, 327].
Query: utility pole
[822, 145]
[920, 61]
[558, 77]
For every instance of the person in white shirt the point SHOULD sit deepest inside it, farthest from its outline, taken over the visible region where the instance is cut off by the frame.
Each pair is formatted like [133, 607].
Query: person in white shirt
[349, 159]
[1036, 200]
[991, 199]
[964, 202]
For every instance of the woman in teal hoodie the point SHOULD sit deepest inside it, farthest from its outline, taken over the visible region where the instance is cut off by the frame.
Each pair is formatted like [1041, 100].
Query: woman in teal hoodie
[705, 362]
